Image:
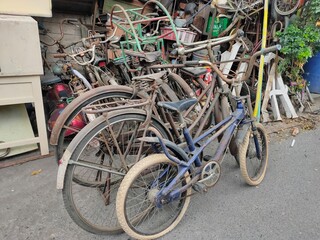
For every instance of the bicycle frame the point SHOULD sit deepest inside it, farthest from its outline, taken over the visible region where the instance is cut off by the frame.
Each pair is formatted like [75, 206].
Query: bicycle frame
[227, 127]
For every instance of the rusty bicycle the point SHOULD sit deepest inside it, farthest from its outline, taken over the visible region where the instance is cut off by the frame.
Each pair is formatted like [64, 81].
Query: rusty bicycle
[101, 154]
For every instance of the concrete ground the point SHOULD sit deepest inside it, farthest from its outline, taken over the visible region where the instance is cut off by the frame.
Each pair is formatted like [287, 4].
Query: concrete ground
[284, 206]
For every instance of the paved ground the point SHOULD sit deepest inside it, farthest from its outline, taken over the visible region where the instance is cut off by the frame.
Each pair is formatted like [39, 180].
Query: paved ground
[285, 206]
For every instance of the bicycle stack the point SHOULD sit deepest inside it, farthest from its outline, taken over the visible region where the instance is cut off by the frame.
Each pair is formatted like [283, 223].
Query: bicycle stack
[140, 156]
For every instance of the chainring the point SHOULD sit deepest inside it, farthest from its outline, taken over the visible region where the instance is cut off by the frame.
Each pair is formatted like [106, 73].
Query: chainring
[210, 173]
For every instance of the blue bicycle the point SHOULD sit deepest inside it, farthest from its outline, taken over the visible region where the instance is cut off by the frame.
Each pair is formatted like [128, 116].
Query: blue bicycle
[155, 193]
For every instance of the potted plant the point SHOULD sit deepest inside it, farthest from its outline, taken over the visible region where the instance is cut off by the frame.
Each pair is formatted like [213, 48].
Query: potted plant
[300, 41]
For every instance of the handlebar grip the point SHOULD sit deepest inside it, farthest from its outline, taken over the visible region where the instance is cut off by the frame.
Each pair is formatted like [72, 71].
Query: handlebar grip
[191, 63]
[60, 55]
[272, 48]
[278, 47]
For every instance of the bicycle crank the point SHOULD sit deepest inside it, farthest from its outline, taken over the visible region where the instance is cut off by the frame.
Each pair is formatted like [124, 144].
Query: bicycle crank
[210, 174]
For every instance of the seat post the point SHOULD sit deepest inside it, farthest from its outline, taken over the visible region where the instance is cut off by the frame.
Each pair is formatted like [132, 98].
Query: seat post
[182, 121]
[186, 133]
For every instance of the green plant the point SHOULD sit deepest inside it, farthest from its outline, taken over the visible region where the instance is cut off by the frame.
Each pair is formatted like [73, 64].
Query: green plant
[300, 40]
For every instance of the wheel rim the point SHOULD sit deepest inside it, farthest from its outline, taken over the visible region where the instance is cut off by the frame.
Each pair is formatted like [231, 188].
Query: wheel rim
[141, 212]
[286, 7]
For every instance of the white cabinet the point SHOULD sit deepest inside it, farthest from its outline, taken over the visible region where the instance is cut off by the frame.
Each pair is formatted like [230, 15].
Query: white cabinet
[20, 70]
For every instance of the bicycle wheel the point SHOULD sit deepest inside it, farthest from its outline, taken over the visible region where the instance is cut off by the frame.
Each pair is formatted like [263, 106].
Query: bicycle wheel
[253, 167]
[286, 7]
[137, 211]
[104, 151]
[180, 87]
[197, 116]
[98, 95]
[175, 89]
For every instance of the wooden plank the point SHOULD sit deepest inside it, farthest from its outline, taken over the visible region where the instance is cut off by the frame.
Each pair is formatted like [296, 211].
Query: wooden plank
[264, 111]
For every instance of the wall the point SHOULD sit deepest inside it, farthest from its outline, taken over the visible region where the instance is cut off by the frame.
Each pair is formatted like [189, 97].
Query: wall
[50, 32]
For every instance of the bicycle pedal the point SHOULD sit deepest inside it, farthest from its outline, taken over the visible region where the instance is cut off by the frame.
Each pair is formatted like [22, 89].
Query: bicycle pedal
[207, 158]
[200, 187]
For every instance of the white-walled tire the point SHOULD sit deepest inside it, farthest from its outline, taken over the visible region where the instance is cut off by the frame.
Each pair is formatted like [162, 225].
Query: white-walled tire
[136, 226]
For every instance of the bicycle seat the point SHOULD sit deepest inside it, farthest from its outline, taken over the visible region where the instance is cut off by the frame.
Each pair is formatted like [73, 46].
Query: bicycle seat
[49, 79]
[178, 106]
[147, 56]
[194, 71]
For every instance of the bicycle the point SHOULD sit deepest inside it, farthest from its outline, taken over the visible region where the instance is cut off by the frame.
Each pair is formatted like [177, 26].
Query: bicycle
[100, 155]
[115, 134]
[155, 193]
[125, 123]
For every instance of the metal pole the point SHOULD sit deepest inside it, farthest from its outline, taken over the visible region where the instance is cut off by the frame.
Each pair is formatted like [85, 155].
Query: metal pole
[256, 112]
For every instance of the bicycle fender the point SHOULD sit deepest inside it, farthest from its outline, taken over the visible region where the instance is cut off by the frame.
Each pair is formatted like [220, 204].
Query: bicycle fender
[63, 117]
[64, 161]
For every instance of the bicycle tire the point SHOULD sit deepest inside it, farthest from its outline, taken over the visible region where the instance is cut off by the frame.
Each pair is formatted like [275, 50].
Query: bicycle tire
[225, 107]
[180, 86]
[142, 168]
[247, 151]
[87, 198]
[225, 112]
[182, 90]
[287, 12]
[175, 89]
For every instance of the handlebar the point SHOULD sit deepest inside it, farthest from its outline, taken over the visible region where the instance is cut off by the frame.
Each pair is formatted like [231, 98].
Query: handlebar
[253, 58]
[73, 56]
[250, 66]
[191, 63]
[83, 40]
[60, 55]
[111, 39]
[206, 43]
[215, 68]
